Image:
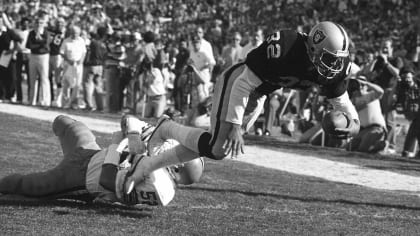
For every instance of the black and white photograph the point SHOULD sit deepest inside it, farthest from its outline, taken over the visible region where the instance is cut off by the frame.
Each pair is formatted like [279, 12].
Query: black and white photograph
[209, 117]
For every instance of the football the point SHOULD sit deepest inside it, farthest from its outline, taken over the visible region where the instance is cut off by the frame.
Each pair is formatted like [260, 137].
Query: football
[333, 120]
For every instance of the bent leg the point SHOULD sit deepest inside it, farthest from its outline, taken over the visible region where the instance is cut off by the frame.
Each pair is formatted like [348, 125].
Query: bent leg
[73, 135]
[78, 144]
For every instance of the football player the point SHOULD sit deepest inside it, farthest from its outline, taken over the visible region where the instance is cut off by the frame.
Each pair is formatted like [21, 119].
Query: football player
[88, 169]
[286, 59]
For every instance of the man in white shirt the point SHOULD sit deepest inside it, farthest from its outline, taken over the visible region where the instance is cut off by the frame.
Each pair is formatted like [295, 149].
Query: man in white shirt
[73, 50]
[205, 45]
[232, 52]
[200, 63]
[365, 97]
[155, 85]
[255, 41]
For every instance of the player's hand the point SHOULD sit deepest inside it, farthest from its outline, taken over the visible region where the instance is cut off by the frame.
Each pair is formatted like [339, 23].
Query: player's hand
[234, 144]
[190, 62]
[136, 174]
[350, 131]
[120, 183]
[384, 56]
[117, 137]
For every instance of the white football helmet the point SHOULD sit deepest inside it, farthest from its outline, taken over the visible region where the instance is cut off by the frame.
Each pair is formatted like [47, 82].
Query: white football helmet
[189, 172]
[158, 188]
[328, 46]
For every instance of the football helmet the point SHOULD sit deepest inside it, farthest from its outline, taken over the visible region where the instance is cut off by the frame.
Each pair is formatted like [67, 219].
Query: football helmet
[328, 47]
[189, 172]
[157, 188]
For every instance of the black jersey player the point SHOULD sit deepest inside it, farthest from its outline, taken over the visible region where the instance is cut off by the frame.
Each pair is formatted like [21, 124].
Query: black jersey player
[287, 59]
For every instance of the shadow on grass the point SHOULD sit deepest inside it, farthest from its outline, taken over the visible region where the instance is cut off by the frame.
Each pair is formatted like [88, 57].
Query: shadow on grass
[305, 198]
[100, 208]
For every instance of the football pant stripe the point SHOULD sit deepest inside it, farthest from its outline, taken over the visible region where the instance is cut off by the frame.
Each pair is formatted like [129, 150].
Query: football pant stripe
[226, 79]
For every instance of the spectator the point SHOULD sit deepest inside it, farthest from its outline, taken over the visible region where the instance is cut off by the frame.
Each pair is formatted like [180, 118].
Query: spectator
[55, 66]
[180, 65]
[135, 54]
[22, 58]
[93, 82]
[8, 39]
[255, 40]
[73, 50]
[149, 47]
[408, 103]
[365, 96]
[206, 47]
[116, 53]
[155, 86]
[232, 52]
[39, 43]
[200, 63]
[386, 68]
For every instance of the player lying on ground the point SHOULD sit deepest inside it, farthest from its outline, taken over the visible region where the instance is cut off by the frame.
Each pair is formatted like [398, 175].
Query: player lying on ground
[88, 168]
[286, 59]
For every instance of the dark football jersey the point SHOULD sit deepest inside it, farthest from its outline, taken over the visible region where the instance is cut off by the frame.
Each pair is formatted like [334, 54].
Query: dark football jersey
[57, 39]
[282, 61]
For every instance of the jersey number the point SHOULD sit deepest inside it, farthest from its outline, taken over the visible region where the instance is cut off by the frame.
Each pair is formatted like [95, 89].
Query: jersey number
[273, 49]
[149, 198]
[57, 40]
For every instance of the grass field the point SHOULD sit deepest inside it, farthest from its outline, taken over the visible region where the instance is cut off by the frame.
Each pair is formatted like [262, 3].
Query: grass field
[232, 198]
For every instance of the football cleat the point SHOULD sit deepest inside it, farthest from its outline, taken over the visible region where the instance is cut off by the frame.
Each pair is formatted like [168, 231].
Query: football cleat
[131, 124]
[136, 131]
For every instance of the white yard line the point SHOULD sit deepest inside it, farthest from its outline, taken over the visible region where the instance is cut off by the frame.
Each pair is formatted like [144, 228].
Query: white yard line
[330, 170]
[293, 163]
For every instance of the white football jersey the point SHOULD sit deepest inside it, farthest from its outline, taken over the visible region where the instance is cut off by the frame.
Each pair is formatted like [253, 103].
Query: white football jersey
[157, 189]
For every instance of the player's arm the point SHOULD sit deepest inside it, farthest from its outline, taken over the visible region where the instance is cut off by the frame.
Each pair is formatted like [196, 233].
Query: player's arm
[239, 98]
[338, 97]
[343, 103]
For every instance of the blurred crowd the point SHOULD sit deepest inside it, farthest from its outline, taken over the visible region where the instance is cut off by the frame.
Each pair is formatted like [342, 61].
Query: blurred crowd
[151, 57]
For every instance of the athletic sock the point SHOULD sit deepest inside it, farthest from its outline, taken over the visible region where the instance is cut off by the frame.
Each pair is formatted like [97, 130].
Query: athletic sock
[186, 136]
[173, 156]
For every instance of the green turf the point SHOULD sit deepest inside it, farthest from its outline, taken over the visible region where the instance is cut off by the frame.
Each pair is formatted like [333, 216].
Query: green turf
[232, 198]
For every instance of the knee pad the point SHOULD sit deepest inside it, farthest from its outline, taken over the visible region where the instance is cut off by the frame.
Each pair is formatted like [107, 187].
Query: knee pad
[60, 123]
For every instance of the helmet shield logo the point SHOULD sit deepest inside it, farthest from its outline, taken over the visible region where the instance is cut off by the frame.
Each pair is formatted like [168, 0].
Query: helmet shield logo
[318, 36]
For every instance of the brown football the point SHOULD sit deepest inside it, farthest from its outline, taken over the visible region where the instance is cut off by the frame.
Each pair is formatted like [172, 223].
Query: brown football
[333, 120]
